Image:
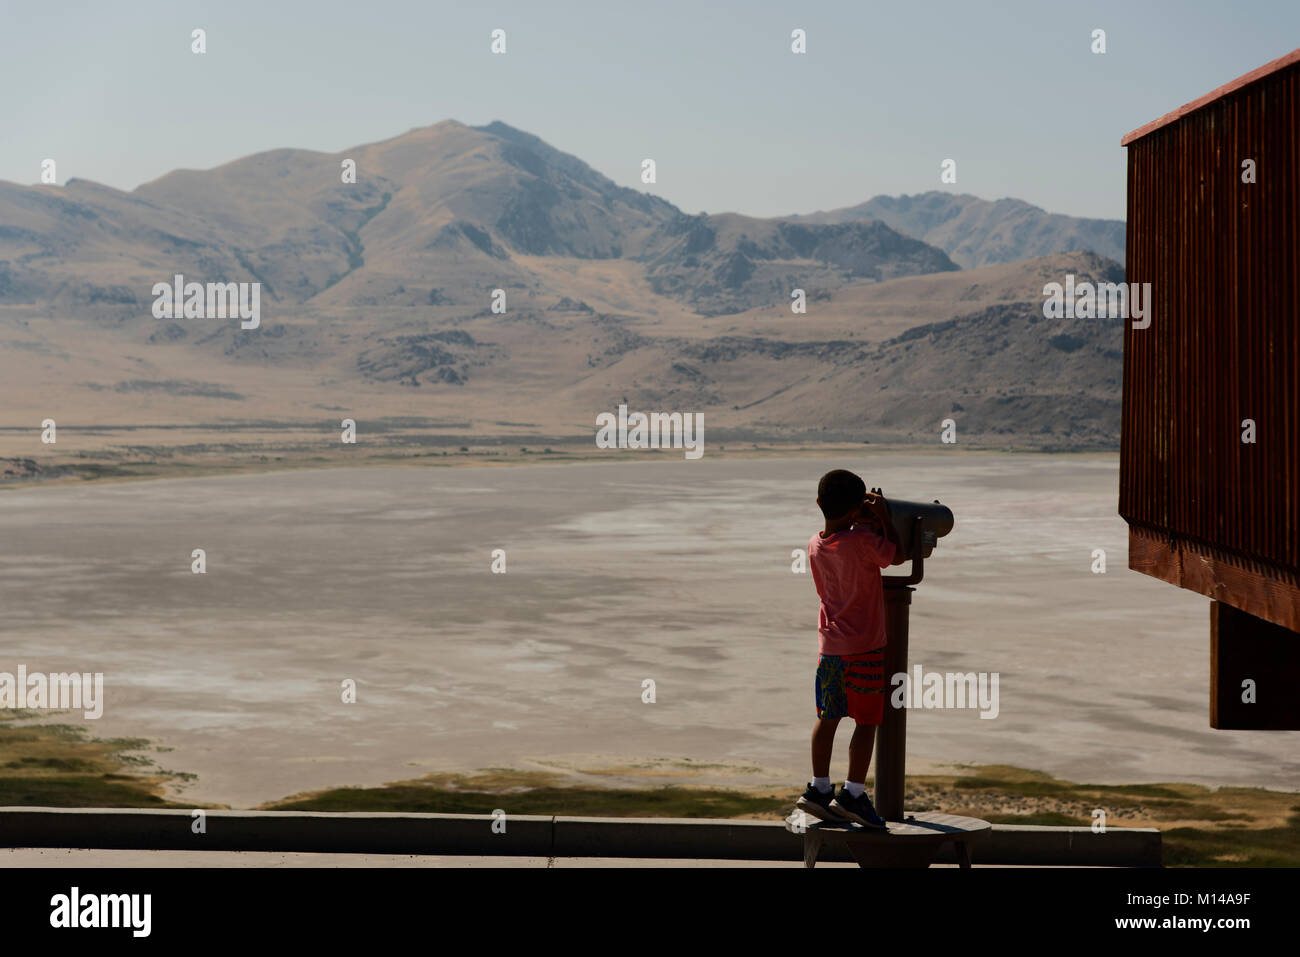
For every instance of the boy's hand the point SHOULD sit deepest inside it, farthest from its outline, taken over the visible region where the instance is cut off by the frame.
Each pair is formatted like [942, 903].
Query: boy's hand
[867, 517]
[875, 510]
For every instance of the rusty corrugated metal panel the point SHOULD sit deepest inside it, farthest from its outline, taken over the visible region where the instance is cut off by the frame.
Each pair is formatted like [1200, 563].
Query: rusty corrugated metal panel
[1206, 510]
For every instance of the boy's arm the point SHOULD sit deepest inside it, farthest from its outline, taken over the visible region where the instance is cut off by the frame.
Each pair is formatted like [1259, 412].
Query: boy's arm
[875, 512]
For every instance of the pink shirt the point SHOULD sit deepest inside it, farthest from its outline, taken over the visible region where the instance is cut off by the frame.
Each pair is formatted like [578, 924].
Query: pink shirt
[846, 570]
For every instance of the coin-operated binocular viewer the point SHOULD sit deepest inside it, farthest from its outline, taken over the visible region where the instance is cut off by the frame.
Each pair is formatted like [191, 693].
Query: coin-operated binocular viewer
[920, 525]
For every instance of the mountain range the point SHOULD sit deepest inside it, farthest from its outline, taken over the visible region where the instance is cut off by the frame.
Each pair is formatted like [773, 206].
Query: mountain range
[377, 296]
[980, 232]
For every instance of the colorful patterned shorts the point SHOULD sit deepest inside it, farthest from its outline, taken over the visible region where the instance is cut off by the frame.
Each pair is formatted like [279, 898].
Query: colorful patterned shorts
[851, 686]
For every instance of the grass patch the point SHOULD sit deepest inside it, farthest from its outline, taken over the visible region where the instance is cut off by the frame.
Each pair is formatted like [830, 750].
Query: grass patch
[535, 792]
[1244, 847]
[1200, 826]
[60, 765]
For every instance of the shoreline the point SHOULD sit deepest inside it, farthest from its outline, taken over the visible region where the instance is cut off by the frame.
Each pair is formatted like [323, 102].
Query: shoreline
[74, 470]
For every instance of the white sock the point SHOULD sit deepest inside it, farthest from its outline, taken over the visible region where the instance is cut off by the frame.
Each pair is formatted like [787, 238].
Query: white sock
[822, 784]
[855, 789]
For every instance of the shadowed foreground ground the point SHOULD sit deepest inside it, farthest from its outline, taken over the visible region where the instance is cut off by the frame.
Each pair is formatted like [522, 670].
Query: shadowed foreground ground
[54, 765]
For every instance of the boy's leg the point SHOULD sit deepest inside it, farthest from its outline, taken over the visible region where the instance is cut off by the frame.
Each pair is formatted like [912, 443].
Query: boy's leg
[819, 797]
[852, 801]
[865, 693]
[828, 688]
[823, 742]
[861, 745]
[864, 689]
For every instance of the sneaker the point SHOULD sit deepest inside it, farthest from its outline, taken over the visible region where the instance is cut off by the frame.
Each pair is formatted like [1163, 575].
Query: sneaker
[859, 809]
[819, 805]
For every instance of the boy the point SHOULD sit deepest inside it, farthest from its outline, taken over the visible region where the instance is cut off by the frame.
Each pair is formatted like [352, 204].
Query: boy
[846, 557]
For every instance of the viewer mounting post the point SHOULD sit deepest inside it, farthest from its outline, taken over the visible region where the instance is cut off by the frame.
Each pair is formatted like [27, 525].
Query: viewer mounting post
[919, 527]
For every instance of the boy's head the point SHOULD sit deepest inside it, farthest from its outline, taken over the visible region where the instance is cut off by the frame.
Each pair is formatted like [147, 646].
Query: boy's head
[840, 492]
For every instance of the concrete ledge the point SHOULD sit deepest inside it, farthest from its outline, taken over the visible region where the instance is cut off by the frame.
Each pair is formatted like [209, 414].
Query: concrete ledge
[354, 832]
[676, 837]
[1030, 844]
[525, 836]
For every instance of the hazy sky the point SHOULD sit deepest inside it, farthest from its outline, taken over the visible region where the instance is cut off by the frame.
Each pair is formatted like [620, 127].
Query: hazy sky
[710, 91]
